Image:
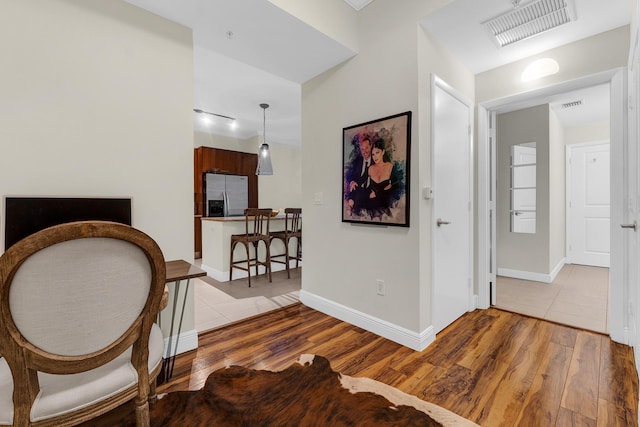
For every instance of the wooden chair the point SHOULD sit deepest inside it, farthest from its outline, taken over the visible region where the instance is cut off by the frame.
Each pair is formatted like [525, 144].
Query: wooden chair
[78, 303]
[292, 229]
[259, 233]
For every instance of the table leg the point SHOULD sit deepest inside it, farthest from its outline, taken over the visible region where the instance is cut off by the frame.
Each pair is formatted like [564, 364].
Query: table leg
[168, 362]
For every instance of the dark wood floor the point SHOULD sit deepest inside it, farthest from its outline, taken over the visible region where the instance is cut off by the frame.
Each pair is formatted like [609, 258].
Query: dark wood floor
[493, 367]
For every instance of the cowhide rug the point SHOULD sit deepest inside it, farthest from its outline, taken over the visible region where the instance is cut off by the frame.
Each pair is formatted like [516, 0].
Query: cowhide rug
[308, 393]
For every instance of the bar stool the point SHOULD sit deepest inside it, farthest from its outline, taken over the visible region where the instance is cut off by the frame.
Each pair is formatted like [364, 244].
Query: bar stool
[259, 233]
[292, 228]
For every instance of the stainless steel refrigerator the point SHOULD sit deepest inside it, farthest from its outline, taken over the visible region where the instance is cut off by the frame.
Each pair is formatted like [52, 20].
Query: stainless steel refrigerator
[225, 195]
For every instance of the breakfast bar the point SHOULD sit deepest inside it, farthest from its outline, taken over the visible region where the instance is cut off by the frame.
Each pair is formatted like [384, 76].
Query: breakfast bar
[216, 243]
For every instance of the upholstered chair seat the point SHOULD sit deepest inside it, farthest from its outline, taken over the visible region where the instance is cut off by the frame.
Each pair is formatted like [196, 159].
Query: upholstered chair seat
[61, 394]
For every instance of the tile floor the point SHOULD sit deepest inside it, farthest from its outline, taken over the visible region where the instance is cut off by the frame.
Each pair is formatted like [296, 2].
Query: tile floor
[578, 297]
[221, 303]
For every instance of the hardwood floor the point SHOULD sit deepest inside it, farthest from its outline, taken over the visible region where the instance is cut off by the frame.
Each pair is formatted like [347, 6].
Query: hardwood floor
[493, 367]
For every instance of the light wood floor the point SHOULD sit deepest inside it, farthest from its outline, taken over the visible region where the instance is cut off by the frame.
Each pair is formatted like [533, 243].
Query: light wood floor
[579, 297]
[221, 303]
[493, 367]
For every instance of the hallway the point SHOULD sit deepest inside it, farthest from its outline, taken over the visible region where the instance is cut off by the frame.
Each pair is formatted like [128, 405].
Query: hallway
[578, 297]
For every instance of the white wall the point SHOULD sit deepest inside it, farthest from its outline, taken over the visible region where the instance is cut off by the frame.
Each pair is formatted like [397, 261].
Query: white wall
[522, 251]
[335, 18]
[602, 52]
[281, 190]
[592, 132]
[97, 101]
[391, 74]
[557, 187]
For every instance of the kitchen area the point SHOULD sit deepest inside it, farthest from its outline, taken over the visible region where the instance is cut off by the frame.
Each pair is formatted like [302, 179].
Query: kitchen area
[225, 184]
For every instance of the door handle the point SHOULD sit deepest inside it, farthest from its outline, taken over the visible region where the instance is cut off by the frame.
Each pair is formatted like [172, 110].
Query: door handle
[442, 222]
[634, 226]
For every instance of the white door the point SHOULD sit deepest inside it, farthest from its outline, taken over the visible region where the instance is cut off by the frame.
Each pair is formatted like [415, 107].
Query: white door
[588, 214]
[452, 229]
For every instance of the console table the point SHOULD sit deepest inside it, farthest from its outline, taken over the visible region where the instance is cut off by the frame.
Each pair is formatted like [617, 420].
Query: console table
[177, 271]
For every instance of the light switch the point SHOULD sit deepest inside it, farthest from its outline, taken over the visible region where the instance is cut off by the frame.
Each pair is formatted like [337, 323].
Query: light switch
[427, 193]
[317, 198]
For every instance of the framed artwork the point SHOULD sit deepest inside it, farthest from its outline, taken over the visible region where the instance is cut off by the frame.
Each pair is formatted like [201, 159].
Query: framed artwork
[375, 171]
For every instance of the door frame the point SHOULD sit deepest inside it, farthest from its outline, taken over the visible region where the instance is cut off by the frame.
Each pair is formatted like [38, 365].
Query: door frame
[568, 182]
[437, 82]
[619, 288]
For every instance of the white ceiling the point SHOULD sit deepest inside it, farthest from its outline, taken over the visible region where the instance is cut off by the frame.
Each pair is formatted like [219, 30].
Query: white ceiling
[247, 52]
[458, 27]
[265, 60]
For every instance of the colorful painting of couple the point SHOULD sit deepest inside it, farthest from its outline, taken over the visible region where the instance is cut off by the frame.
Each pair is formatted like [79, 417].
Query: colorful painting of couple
[375, 158]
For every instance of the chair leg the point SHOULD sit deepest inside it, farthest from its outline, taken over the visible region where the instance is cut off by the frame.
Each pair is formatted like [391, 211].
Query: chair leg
[268, 259]
[286, 257]
[233, 246]
[248, 263]
[153, 393]
[142, 412]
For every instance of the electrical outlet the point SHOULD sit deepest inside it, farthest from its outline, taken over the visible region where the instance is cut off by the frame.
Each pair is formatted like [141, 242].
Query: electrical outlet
[380, 287]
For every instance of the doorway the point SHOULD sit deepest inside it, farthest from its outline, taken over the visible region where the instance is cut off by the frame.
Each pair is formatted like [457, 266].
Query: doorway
[487, 285]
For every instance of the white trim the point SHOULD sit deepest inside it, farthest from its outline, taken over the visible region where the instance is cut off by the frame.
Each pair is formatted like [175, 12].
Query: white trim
[187, 341]
[484, 208]
[413, 340]
[438, 82]
[223, 276]
[556, 270]
[530, 275]
[619, 294]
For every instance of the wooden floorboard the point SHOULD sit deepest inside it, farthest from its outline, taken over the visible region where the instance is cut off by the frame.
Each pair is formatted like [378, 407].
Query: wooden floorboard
[494, 367]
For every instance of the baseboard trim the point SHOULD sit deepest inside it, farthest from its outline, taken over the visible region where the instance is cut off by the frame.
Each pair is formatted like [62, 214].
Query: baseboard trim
[223, 276]
[187, 341]
[413, 340]
[530, 275]
[557, 268]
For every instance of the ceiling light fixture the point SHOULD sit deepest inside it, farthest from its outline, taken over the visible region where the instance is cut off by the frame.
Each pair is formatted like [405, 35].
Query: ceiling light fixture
[232, 124]
[527, 21]
[264, 155]
[540, 68]
[197, 110]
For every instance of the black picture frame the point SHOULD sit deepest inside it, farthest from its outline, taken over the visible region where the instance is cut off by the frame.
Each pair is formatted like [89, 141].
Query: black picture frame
[379, 193]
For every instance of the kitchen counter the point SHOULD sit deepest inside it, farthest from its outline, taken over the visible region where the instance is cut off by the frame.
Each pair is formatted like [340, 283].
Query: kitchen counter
[216, 245]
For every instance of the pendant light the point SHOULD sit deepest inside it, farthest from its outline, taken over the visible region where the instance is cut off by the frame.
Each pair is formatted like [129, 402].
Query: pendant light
[264, 156]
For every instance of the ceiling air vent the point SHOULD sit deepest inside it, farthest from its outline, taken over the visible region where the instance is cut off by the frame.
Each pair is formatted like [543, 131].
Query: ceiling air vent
[527, 21]
[571, 104]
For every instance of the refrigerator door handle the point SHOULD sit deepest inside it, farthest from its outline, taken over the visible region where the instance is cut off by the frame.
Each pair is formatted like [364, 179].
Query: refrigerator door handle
[225, 198]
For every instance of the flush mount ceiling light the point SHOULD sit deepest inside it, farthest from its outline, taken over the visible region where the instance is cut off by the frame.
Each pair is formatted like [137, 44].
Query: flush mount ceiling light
[264, 156]
[540, 68]
[527, 21]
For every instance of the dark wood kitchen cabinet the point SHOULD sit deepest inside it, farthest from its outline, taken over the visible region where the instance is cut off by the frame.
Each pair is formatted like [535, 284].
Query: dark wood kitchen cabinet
[207, 159]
